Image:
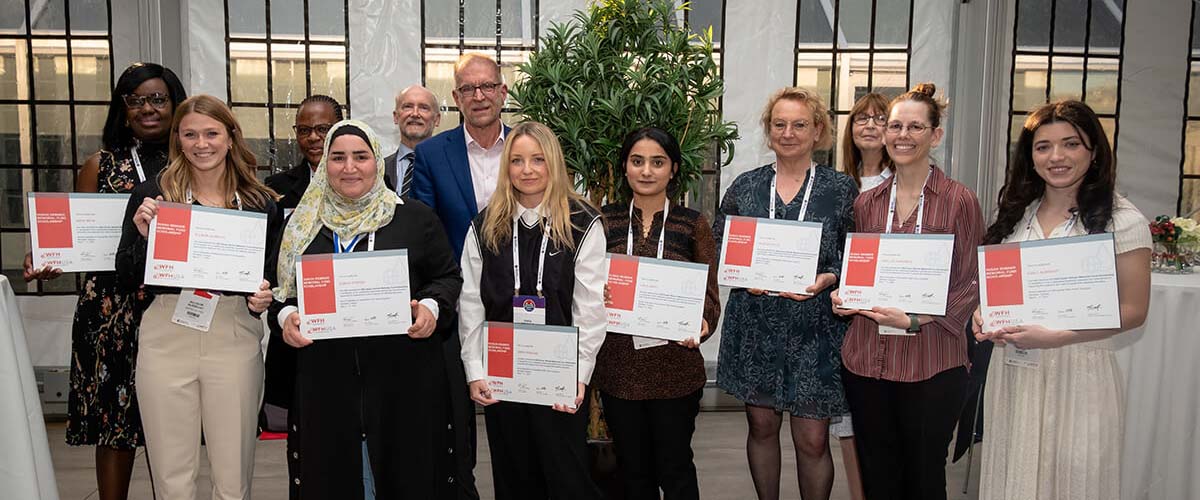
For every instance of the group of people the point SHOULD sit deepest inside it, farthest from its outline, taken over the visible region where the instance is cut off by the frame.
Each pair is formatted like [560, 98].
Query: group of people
[488, 213]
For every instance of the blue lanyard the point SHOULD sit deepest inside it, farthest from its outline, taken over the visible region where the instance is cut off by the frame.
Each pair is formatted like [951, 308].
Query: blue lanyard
[338, 248]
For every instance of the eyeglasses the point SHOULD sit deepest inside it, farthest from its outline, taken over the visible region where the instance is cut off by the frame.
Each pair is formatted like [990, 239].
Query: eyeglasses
[305, 131]
[488, 89]
[157, 100]
[914, 129]
[861, 119]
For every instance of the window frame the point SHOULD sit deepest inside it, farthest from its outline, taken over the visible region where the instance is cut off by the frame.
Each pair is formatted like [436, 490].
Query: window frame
[1188, 119]
[712, 166]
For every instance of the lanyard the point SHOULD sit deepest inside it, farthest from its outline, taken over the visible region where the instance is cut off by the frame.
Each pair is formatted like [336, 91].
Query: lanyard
[1066, 232]
[516, 255]
[237, 198]
[920, 205]
[662, 235]
[338, 248]
[812, 179]
[137, 163]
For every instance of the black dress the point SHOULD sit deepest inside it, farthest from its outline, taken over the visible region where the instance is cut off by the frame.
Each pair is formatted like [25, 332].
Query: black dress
[390, 390]
[102, 406]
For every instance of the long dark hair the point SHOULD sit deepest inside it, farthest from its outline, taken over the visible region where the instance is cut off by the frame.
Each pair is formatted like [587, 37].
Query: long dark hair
[1022, 184]
[851, 155]
[117, 133]
[664, 140]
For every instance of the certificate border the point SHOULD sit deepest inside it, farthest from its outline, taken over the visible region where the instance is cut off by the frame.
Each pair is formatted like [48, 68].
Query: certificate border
[31, 214]
[566, 330]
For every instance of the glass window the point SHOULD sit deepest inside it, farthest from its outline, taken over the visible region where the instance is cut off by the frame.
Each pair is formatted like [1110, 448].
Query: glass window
[273, 67]
[700, 17]
[55, 81]
[1189, 184]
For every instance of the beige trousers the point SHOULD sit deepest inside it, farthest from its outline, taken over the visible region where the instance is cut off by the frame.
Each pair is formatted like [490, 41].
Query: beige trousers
[188, 380]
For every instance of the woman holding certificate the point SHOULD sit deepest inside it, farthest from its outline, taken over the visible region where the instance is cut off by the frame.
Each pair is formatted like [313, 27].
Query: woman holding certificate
[780, 352]
[539, 242]
[369, 412]
[906, 374]
[1053, 396]
[652, 392]
[189, 377]
[102, 409]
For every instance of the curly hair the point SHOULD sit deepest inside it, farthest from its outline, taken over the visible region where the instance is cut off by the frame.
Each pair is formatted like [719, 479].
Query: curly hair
[820, 114]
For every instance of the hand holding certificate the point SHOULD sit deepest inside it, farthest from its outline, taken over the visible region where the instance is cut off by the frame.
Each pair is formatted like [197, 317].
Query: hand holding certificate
[534, 364]
[910, 272]
[353, 294]
[76, 232]
[656, 298]
[191, 246]
[770, 254]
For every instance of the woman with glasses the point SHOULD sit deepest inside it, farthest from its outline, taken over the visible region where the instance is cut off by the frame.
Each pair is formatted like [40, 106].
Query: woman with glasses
[317, 113]
[1055, 412]
[102, 408]
[863, 156]
[780, 351]
[906, 391]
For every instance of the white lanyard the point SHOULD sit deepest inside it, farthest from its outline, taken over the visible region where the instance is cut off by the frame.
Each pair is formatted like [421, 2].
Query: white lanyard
[1029, 222]
[137, 163]
[516, 257]
[920, 205]
[237, 198]
[338, 248]
[812, 179]
[662, 235]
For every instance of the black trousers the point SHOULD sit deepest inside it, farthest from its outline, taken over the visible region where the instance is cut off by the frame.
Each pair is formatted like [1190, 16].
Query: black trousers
[653, 441]
[539, 453]
[902, 432]
[462, 417]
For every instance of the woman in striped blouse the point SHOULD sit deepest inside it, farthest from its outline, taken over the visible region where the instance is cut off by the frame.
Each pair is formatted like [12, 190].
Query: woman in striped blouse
[905, 392]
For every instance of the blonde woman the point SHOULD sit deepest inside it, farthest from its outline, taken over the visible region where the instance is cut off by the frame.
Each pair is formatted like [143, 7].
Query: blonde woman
[537, 452]
[187, 379]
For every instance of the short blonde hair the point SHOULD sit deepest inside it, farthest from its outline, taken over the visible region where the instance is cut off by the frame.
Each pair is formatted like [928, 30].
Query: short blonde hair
[815, 104]
[475, 58]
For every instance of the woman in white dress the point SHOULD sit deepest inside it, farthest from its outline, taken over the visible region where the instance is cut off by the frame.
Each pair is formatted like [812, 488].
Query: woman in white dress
[1054, 422]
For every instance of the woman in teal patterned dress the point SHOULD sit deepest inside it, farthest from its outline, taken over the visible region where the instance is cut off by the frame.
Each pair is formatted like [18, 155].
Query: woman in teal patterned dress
[781, 353]
[102, 408]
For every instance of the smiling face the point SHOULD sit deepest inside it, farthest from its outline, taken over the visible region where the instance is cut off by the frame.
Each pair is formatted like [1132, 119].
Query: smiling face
[869, 135]
[907, 147]
[416, 114]
[648, 168]
[793, 131]
[1061, 156]
[351, 166]
[480, 109]
[313, 117]
[148, 122]
[527, 170]
[205, 142]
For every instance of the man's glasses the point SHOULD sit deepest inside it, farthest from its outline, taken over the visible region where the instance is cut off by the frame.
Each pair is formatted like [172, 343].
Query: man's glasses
[489, 89]
[157, 100]
[305, 131]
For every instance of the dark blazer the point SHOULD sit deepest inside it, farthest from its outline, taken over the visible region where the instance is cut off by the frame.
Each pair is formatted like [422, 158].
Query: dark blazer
[291, 184]
[442, 180]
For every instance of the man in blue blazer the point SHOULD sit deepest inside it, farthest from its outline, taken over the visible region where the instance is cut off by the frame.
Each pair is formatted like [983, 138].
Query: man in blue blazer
[455, 173]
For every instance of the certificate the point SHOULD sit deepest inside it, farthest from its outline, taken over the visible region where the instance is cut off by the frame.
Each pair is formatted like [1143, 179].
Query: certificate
[656, 298]
[76, 231]
[771, 254]
[192, 246]
[906, 271]
[353, 294]
[1060, 283]
[535, 364]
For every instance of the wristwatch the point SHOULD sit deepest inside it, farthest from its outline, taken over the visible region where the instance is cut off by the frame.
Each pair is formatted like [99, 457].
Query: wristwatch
[914, 324]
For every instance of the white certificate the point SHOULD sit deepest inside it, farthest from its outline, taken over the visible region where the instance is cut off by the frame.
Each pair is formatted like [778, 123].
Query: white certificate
[906, 271]
[206, 248]
[535, 364]
[1060, 283]
[76, 232]
[772, 254]
[353, 294]
[662, 299]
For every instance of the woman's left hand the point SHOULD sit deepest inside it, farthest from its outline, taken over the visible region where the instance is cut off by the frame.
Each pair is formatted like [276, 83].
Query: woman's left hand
[694, 342]
[261, 299]
[823, 281]
[582, 389]
[423, 321]
[887, 316]
[1032, 337]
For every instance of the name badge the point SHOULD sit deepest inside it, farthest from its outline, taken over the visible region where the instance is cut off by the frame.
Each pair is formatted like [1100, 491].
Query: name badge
[891, 330]
[1023, 358]
[195, 309]
[529, 309]
[640, 343]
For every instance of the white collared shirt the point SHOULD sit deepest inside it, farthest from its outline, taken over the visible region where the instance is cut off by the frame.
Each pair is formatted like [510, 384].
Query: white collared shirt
[485, 166]
[587, 300]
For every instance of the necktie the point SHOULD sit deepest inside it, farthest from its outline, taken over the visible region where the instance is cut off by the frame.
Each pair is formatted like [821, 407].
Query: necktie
[406, 183]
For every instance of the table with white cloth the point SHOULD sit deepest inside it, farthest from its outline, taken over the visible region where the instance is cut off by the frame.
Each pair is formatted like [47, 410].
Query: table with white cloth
[1161, 362]
[25, 468]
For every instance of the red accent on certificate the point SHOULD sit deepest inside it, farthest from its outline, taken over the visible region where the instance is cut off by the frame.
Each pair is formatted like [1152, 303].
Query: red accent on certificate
[53, 214]
[770, 254]
[910, 272]
[172, 232]
[739, 241]
[533, 364]
[320, 296]
[356, 294]
[862, 260]
[622, 282]
[1002, 271]
[656, 298]
[206, 248]
[500, 351]
[75, 232]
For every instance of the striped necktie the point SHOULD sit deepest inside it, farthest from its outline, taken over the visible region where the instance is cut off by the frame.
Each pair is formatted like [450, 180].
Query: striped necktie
[407, 164]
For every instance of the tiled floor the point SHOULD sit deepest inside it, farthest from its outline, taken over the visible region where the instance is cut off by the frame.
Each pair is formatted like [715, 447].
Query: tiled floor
[719, 444]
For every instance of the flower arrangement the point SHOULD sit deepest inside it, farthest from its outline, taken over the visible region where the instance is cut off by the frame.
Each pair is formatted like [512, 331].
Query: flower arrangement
[1175, 243]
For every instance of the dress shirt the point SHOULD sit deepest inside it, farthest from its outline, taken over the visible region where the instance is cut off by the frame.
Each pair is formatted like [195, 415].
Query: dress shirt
[485, 166]
[587, 300]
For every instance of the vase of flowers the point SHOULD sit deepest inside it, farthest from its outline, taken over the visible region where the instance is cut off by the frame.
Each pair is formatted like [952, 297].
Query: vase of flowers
[1175, 244]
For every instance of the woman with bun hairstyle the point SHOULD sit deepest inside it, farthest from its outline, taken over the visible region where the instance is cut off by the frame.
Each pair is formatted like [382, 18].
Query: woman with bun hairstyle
[906, 391]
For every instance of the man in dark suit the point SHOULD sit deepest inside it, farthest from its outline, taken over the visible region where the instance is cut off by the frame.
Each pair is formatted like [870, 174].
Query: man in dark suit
[316, 115]
[455, 173]
[416, 115]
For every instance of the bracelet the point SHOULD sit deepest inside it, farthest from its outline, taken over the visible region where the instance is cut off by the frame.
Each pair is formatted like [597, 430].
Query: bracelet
[914, 324]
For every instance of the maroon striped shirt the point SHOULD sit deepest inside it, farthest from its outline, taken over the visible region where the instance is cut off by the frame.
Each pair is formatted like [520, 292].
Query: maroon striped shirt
[950, 208]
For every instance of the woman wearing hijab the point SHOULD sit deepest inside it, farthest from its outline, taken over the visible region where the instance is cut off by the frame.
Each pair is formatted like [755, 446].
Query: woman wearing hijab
[368, 412]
